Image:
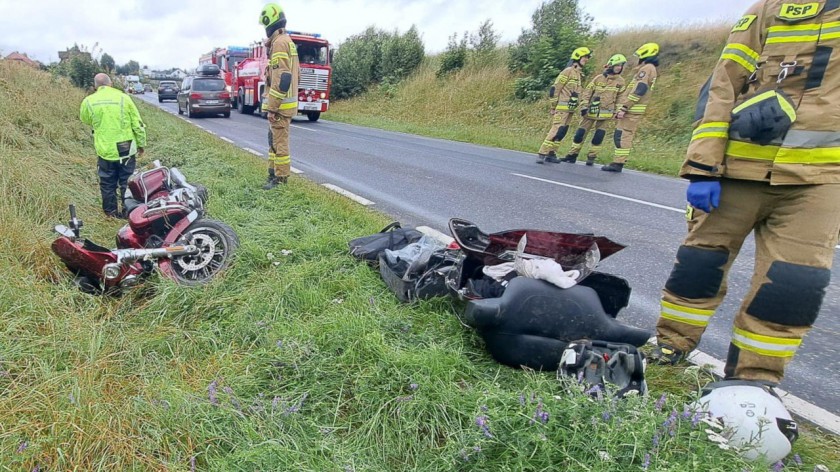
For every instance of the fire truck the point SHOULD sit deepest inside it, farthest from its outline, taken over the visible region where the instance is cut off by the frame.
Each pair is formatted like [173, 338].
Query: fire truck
[227, 59]
[315, 57]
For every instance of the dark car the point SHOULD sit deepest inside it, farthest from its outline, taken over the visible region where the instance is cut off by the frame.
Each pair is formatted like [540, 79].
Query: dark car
[204, 93]
[167, 90]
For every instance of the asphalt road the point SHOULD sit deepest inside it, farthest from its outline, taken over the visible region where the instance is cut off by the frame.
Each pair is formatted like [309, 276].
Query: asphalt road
[424, 181]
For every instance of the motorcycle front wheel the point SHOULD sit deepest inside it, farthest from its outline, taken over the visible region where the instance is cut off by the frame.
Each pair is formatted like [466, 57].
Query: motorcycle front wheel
[216, 243]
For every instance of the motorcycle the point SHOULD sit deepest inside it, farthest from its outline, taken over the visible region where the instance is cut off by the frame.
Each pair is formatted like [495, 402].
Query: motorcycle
[166, 229]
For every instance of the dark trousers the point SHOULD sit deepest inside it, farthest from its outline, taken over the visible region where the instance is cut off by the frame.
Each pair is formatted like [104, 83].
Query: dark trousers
[114, 175]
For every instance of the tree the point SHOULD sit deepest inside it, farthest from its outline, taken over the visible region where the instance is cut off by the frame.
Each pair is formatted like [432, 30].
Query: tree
[558, 28]
[455, 56]
[107, 63]
[485, 44]
[133, 67]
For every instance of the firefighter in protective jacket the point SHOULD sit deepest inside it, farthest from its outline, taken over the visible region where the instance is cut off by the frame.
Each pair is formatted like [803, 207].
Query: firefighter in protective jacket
[634, 104]
[763, 159]
[282, 91]
[599, 103]
[565, 99]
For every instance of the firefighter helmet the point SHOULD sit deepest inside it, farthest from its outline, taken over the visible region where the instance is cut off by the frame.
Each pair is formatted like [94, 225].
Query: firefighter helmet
[580, 53]
[617, 60]
[754, 418]
[271, 14]
[647, 51]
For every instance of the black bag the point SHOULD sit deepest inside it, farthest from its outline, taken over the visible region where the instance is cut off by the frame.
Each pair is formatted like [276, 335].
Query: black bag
[393, 237]
[420, 283]
[619, 367]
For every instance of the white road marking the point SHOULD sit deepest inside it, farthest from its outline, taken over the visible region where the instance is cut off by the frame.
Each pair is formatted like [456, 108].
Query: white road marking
[256, 153]
[295, 170]
[607, 194]
[350, 195]
[199, 126]
[304, 128]
[227, 140]
[211, 132]
[794, 404]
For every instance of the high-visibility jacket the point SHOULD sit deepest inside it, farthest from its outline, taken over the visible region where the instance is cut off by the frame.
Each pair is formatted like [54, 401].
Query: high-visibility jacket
[601, 96]
[567, 89]
[282, 90]
[779, 44]
[115, 119]
[638, 94]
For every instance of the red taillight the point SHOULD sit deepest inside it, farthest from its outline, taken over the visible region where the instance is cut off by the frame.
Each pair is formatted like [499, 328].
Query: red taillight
[224, 95]
[196, 96]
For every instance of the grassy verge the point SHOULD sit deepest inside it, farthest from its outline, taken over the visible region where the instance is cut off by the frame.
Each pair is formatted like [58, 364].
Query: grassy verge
[295, 362]
[476, 104]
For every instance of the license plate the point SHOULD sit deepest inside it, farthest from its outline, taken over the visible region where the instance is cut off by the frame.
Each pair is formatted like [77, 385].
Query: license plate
[211, 102]
[312, 106]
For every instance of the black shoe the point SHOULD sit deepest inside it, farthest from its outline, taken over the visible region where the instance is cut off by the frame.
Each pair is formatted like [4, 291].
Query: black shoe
[666, 355]
[541, 158]
[570, 158]
[552, 160]
[613, 167]
[271, 183]
[590, 161]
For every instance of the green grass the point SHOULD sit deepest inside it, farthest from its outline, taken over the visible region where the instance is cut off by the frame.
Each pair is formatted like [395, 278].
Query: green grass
[476, 104]
[301, 362]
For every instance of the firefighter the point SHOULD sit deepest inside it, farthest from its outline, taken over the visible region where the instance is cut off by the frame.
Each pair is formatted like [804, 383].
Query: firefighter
[282, 86]
[119, 137]
[565, 98]
[634, 104]
[599, 101]
[763, 159]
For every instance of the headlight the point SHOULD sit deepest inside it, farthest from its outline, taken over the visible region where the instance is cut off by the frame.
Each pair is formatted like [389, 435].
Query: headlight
[111, 271]
[323, 95]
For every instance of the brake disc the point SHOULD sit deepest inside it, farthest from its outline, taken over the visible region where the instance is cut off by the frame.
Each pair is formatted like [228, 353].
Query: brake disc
[207, 249]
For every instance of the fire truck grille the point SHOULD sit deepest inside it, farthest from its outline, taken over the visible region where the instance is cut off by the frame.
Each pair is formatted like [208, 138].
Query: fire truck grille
[309, 80]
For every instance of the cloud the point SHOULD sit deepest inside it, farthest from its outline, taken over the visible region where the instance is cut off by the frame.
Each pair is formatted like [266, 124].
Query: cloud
[173, 33]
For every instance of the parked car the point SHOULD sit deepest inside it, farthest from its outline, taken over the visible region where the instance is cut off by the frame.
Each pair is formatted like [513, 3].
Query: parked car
[167, 90]
[204, 93]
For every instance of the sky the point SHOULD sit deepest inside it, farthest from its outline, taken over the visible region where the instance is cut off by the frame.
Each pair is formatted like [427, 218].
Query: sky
[173, 33]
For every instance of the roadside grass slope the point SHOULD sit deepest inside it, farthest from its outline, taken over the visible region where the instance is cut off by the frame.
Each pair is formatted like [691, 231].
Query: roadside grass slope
[297, 362]
[476, 104]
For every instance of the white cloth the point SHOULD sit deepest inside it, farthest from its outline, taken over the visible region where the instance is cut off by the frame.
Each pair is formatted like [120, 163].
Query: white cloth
[548, 270]
[499, 272]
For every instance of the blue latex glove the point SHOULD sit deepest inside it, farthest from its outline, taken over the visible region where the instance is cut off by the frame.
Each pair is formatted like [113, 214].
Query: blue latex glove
[704, 195]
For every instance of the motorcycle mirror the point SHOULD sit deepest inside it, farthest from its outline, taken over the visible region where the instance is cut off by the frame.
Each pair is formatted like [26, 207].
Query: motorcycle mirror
[65, 231]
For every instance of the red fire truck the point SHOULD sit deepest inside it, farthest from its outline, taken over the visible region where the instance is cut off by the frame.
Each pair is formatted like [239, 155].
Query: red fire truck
[315, 56]
[227, 59]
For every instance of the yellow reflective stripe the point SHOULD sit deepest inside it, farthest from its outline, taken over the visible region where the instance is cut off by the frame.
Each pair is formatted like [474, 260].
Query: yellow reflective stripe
[793, 34]
[638, 108]
[280, 55]
[829, 155]
[622, 152]
[784, 104]
[715, 129]
[276, 94]
[830, 30]
[282, 160]
[754, 100]
[751, 151]
[765, 345]
[685, 309]
[288, 106]
[719, 134]
[634, 98]
[741, 54]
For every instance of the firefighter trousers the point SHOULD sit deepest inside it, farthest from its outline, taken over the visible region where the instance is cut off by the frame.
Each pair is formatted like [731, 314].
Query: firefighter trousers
[625, 132]
[559, 128]
[796, 230]
[586, 125]
[279, 153]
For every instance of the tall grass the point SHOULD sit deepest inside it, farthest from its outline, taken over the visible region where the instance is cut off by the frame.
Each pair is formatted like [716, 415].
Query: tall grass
[300, 361]
[477, 105]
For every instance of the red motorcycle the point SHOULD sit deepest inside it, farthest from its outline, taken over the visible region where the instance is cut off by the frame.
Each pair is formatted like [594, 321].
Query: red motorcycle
[166, 230]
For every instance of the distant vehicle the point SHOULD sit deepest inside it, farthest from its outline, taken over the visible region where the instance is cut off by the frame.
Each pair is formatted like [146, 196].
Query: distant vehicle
[147, 88]
[204, 93]
[167, 90]
[227, 59]
[137, 87]
[315, 57]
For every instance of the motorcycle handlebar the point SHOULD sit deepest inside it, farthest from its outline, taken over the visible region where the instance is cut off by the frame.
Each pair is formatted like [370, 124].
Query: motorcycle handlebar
[72, 211]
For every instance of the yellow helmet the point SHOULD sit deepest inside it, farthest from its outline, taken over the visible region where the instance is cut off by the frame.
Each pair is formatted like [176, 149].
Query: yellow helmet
[617, 59]
[647, 50]
[271, 14]
[580, 53]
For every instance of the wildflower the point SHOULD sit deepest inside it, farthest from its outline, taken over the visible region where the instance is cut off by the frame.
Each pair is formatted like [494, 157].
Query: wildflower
[481, 422]
[797, 459]
[686, 412]
[656, 440]
[580, 377]
[37, 468]
[274, 403]
[646, 464]
[413, 387]
[22, 447]
[594, 390]
[695, 421]
[606, 416]
[372, 301]
[484, 408]
[297, 406]
[280, 344]
[464, 456]
[522, 399]
[477, 449]
[661, 402]
[778, 466]
[211, 393]
[72, 398]
[192, 464]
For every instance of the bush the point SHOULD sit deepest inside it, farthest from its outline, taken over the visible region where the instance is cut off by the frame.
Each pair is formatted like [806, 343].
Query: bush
[372, 56]
[455, 56]
[558, 28]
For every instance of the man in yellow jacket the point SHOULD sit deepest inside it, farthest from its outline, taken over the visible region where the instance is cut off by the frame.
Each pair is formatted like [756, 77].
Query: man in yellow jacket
[763, 159]
[634, 105]
[599, 103]
[119, 136]
[282, 90]
[565, 99]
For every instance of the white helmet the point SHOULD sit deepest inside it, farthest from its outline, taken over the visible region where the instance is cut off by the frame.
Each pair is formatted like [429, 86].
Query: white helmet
[754, 418]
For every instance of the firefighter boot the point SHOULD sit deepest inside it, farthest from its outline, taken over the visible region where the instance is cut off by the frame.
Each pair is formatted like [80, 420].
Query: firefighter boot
[552, 158]
[273, 180]
[541, 158]
[570, 158]
[613, 167]
[590, 160]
